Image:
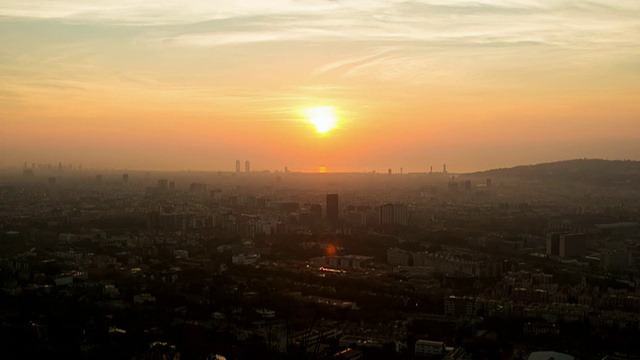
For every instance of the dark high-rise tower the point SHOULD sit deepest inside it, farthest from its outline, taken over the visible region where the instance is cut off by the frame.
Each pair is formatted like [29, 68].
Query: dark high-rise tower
[237, 166]
[247, 166]
[332, 209]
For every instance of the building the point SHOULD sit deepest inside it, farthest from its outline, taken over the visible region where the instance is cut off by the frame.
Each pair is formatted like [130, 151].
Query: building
[143, 298]
[332, 209]
[429, 348]
[616, 259]
[386, 214]
[393, 214]
[572, 245]
[553, 244]
[343, 261]
[247, 166]
[460, 306]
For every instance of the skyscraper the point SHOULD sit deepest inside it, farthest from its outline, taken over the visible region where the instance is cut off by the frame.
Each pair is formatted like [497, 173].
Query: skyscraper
[237, 166]
[332, 209]
[247, 166]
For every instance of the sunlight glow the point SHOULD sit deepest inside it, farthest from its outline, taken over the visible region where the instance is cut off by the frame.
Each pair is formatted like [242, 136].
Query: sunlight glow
[322, 117]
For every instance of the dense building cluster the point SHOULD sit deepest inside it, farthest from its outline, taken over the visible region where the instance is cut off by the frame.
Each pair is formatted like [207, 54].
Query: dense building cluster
[248, 265]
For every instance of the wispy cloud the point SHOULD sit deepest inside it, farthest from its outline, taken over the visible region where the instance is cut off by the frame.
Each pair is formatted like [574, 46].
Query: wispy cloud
[414, 41]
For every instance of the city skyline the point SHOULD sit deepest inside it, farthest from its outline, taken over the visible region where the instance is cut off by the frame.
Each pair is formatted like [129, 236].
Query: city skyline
[346, 86]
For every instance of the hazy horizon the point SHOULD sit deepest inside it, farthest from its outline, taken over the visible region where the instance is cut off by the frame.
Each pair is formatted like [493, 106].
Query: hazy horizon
[178, 85]
[395, 171]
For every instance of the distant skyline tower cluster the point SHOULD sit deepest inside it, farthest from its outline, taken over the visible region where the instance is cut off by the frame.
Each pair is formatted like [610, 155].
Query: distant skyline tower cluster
[247, 166]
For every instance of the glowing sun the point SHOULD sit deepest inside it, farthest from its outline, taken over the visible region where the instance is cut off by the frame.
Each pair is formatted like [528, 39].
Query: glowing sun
[322, 117]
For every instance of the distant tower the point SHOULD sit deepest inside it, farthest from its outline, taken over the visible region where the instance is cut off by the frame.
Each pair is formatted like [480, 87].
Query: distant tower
[400, 170]
[247, 166]
[431, 170]
[389, 171]
[237, 166]
[444, 168]
[125, 178]
[332, 209]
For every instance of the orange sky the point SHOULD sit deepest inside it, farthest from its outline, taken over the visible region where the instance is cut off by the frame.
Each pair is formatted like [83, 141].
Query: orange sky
[189, 85]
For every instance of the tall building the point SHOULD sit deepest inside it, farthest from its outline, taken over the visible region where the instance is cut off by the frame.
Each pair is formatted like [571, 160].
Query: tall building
[125, 178]
[237, 166]
[457, 306]
[332, 209]
[386, 214]
[553, 244]
[572, 245]
[247, 166]
[393, 214]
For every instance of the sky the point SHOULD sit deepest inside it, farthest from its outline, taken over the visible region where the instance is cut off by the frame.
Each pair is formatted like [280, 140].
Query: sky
[197, 85]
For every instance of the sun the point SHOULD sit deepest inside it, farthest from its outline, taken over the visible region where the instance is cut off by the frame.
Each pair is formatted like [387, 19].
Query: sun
[322, 117]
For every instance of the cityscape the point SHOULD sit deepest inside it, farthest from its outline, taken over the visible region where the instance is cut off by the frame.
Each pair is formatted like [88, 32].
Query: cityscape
[532, 262]
[320, 179]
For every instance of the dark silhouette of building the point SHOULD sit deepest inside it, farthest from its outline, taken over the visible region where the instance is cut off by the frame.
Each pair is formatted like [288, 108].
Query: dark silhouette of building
[553, 244]
[572, 245]
[332, 209]
[237, 166]
[247, 166]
